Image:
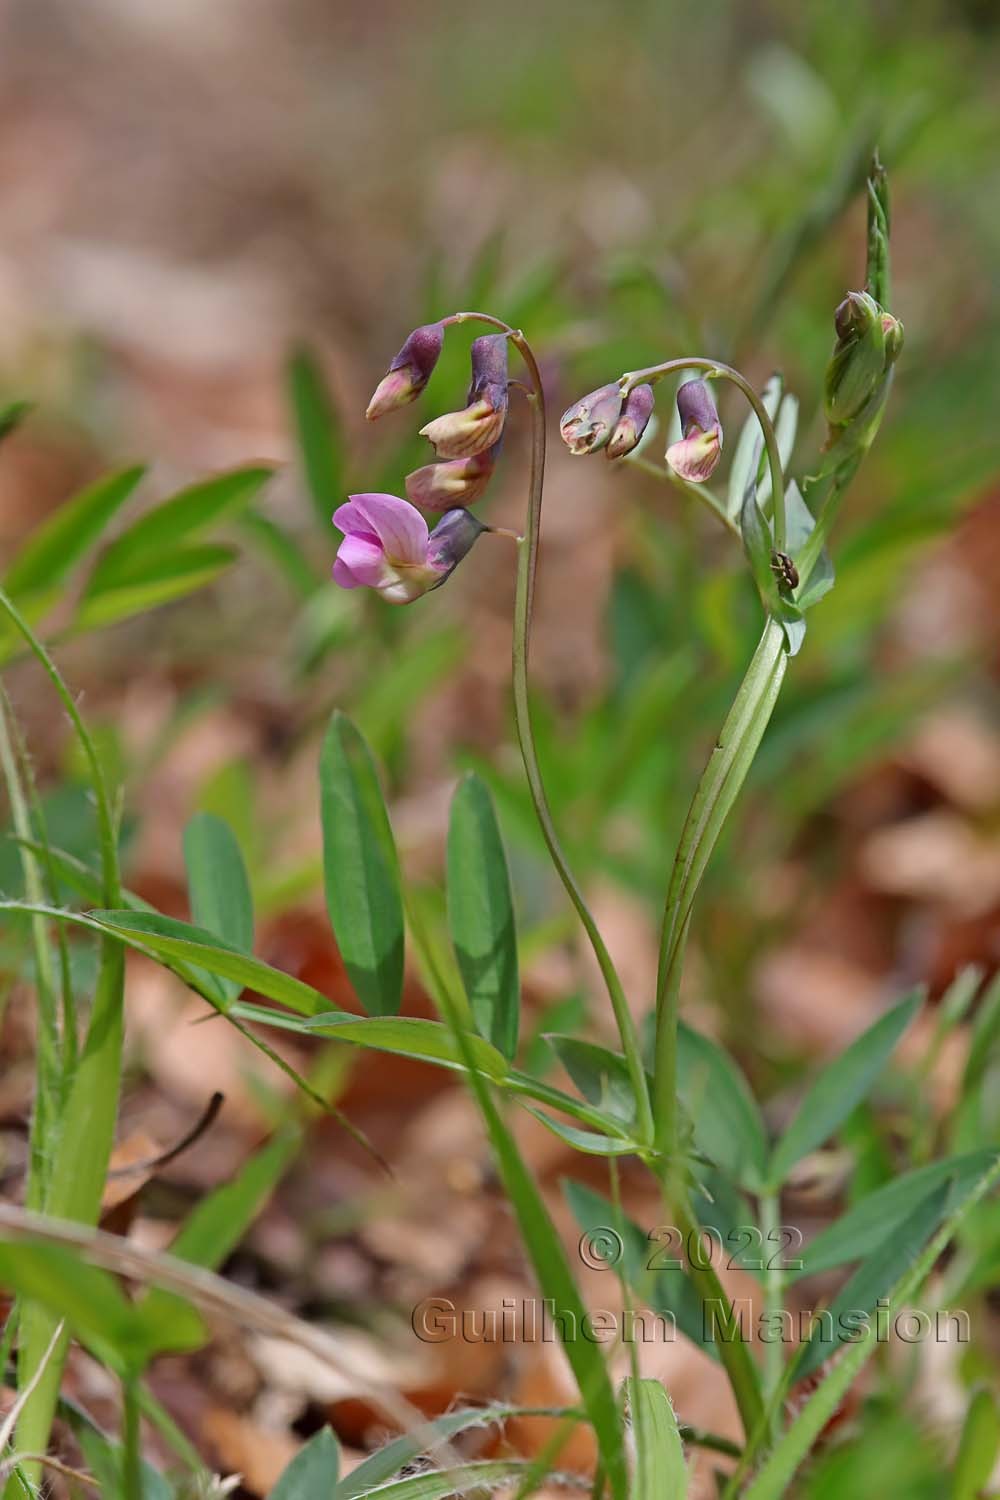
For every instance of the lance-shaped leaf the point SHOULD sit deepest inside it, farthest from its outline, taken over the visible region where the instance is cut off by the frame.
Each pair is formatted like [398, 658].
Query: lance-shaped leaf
[746, 465]
[841, 1087]
[728, 1126]
[360, 869]
[862, 1228]
[977, 1447]
[849, 1316]
[51, 551]
[312, 1473]
[660, 1471]
[219, 889]
[481, 915]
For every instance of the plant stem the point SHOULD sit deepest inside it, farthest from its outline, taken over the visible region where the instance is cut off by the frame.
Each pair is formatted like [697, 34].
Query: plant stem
[524, 600]
[49, 1070]
[82, 1144]
[734, 1351]
[131, 1441]
[774, 1291]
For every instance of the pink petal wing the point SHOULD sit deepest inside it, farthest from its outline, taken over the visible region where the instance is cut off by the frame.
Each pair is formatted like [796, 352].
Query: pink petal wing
[347, 518]
[400, 528]
[360, 563]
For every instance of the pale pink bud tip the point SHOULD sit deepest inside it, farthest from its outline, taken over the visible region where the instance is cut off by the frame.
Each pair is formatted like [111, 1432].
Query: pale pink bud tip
[632, 423]
[409, 372]
[462, 434]
[459, 482]
[697, 453]
[587, 426]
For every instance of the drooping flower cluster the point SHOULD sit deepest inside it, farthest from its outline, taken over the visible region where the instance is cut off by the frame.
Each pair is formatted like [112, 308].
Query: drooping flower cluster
[387, 545]
[614, 418]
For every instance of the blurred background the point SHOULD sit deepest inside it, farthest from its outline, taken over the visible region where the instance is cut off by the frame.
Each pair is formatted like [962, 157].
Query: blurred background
[189, 195]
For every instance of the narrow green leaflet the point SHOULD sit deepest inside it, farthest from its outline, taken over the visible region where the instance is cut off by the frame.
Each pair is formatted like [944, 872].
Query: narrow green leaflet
[191, 511]
[757, 543]
[851, 1310]
[660, 1471]
[481, 915]
[318, 433]
[53, 548]
[173, 940]
[154, 579]
[125, 1335]
[587, 1141]
[863, 1227]
[411, 1036]
[977, 1448]
[360, 870]
[601, 1076]
[841, 1087]
[219, 889]
[219, 1221]
[313, 1472]
[800, 526]
[727, 1123]
[778, 1469]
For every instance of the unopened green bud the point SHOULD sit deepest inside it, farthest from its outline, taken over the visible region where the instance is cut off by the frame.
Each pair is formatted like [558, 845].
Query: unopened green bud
[868, 341]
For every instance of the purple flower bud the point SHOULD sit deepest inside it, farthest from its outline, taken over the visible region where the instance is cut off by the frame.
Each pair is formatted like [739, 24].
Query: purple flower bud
[451, 539]
[696, 454]
[409, 371]
[463, 434]
[632, 423]
[587, 426]
[458, 482]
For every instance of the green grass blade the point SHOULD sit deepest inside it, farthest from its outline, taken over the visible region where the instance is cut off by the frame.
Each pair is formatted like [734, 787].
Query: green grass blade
[318, 434]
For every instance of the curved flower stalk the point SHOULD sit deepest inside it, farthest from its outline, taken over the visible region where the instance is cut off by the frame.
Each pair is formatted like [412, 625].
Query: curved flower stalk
[783, 551]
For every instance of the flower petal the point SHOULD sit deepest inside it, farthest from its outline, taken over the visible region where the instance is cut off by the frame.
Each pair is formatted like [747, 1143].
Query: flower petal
[360, 563]
[400, 528]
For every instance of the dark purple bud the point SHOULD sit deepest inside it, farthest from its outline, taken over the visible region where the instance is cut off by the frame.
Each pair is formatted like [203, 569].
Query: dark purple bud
[451, 539]
[489, 370]
[587, 426]
[632, 423]
[409, 371]
[695, 456]
[463, 434]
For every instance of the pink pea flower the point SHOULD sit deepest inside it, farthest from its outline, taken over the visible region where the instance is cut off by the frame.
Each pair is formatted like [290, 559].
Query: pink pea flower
[387, 547]
[696, 454]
